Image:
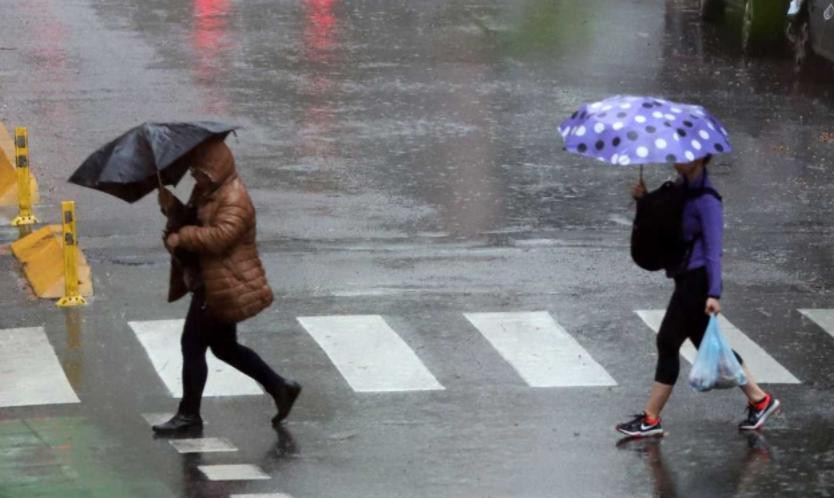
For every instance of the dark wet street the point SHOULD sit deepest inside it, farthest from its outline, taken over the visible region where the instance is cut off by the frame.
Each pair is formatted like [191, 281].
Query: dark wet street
[413, 196]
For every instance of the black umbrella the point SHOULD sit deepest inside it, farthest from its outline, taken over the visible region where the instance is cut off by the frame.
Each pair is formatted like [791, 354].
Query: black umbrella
[133, 165]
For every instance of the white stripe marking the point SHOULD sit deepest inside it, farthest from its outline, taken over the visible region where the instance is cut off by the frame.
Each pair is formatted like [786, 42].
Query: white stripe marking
[369, 354]
[161, 340]
[240, 472]
[540, 349]
[202, 445]
[262, 495]
[30, 373]
[763, 367]
[824, 318]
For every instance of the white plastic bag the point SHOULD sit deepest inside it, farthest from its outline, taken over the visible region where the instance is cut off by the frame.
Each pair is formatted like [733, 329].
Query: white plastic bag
[715, 367]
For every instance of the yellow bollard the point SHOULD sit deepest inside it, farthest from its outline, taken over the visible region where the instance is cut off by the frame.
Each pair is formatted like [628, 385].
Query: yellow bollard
[72, 297]
[24, 188]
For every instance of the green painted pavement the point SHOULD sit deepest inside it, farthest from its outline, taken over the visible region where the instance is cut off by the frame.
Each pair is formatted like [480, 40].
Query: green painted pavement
[64, 457]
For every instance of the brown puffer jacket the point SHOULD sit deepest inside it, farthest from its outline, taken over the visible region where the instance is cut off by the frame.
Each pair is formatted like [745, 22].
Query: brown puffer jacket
[234, 279]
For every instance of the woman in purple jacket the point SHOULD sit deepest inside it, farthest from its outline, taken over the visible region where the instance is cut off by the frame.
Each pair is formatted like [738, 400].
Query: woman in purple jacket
[696, 297]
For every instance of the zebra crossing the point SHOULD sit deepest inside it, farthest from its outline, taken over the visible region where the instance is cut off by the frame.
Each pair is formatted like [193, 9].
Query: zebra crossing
[540, 350]
[30, 373]
[824, 318]
[370, 355]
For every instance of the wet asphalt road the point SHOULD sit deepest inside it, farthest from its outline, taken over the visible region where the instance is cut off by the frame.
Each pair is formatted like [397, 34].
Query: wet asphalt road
[404, 160]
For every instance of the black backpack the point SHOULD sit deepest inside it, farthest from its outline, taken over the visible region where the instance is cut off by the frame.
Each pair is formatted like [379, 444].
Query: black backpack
[657, 241]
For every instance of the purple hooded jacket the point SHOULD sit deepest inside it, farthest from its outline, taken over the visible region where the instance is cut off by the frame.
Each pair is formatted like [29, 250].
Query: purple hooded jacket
[703, 221]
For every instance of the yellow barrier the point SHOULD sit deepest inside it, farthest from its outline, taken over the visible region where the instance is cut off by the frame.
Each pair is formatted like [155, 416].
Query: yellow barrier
[72, 297]
[24, 192]
[43, 259]
[9, 175]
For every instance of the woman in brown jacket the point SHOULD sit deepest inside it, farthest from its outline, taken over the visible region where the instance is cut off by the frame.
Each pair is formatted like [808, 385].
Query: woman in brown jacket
[216, 259]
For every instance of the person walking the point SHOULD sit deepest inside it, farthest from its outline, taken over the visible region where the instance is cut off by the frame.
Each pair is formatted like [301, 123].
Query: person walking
[215, 258]
[696, 296]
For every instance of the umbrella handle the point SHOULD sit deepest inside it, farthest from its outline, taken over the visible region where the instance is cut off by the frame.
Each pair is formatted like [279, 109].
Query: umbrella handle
[641, 173]
[162, 190]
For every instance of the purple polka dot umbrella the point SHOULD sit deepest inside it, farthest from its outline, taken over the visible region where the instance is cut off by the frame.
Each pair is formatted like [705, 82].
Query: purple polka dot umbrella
[626, 130]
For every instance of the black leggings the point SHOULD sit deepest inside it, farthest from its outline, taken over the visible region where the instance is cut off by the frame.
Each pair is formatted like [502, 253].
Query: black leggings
[202, 332]
[685, 318]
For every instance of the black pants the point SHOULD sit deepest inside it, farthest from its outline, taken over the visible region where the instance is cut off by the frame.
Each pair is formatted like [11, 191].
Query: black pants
[202, 332]
[685, 318]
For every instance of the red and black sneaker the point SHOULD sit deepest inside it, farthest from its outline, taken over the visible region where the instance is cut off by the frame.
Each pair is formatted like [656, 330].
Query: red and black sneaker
[757, 413]
[641, 426]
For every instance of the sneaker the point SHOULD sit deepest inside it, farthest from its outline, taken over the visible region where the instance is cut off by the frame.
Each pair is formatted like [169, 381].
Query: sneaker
[639, 428]
[756, 417]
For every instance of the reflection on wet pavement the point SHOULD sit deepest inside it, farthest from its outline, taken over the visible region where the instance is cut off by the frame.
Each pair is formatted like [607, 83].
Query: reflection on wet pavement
[405, 161]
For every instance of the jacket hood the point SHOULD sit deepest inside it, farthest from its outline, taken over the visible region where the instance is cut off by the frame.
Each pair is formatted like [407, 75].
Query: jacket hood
[214, 158]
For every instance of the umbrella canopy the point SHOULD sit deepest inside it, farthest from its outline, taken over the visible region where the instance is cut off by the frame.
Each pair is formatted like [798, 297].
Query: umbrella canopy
[132, 165]
[624, 130]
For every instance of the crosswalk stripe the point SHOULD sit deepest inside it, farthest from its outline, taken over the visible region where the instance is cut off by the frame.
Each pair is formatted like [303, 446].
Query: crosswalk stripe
[762, 366]
[235, 472]
[161, 340]
[262, 495]
[369, 354]
[540, 350]
[824, 318]
[30, 373]
[202, 445]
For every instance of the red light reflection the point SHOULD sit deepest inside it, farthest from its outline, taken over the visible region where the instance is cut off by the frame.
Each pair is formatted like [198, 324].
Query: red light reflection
[319, 37]
[51, 60]
[209, 38]
[318, 30]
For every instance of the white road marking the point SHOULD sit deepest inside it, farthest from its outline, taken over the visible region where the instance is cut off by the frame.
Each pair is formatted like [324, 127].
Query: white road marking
[30, 373]
[239, 472]
[161, 340]
[540, 349]
[762, 366]
[369, 354]
[202, 445]
[824, 318]
[262, 495]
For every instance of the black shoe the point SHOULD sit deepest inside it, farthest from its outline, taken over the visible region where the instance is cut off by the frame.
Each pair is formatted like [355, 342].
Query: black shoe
[639, 428]
[179, 423]
[756, 418]
[285, 399]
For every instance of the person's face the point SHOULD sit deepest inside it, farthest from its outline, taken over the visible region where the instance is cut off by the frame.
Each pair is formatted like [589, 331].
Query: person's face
[688, 169]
